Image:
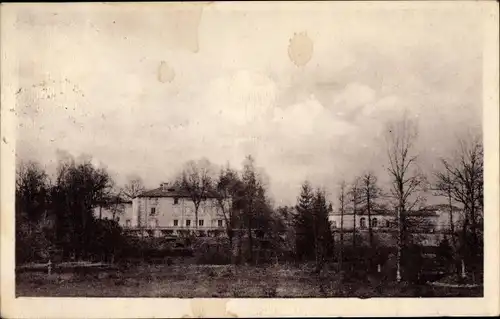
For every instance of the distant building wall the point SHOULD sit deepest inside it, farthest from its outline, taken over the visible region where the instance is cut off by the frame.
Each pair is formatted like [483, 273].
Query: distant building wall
[122, 213]
[437, 220]
[377, 221]
[443, 219]
[171, 212]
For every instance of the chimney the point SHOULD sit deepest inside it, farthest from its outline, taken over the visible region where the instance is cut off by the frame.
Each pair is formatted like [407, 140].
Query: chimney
[164, 186]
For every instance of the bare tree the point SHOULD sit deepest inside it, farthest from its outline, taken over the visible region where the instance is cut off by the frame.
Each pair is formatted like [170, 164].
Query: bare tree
[116, 205]
[134, 187]
[355, 197]
[406, 180]
[462, 180]
[370, 193]
[443, 188]
[196, 180]
[342, 204]
[226, 189]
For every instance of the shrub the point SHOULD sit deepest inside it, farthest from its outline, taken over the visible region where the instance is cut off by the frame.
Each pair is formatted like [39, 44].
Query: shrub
[213, 258]
[213, 252]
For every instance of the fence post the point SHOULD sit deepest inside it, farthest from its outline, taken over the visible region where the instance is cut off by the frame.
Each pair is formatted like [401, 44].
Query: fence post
[49, 267]
[463, 269]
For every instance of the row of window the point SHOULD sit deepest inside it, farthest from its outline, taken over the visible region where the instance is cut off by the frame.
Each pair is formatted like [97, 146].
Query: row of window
[201, 223]
[153, 209]
[362, 223]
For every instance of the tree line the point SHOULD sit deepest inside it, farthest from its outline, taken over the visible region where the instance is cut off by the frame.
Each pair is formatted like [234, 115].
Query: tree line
[58, 213]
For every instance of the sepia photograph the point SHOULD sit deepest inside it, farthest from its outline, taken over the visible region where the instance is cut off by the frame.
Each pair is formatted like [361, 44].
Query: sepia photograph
[249, 150]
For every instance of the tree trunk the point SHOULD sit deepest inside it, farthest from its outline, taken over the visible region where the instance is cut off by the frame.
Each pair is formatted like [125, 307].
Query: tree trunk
[369, 208]
[250, 242]
[230, 235]
[315, 234]
[465, 244]
[400, 243]
[238, 244]
[354, 227]
[196, 207]
[452, 226]
[341, 250]
[474, 241]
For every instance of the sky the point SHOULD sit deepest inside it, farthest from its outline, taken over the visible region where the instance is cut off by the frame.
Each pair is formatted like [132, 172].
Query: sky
[307, 90]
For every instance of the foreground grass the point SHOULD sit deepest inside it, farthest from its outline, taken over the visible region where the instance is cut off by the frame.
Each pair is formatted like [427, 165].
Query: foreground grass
[191, 281]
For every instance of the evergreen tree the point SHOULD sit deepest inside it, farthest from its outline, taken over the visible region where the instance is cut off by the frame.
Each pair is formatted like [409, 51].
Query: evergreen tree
[323, 239]
[304, 240]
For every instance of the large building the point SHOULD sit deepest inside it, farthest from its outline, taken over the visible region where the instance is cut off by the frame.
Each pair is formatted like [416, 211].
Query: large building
[431, 223]
[170, 211]
[164, 211]
[434, 218]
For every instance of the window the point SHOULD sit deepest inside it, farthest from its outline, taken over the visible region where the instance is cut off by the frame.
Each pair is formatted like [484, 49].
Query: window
[387, 223]
[334, 224]
[128, 223]
[176, 200]
[362, 222]
[188, 223]
[176, 222]
[219, 223]
[153, 211]
[200, 222]
[374, 222]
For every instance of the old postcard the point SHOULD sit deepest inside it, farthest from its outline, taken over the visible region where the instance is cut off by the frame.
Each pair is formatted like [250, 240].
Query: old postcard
[249, 159]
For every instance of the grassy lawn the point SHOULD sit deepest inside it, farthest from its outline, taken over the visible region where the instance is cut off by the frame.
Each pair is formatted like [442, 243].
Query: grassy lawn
[190, 281]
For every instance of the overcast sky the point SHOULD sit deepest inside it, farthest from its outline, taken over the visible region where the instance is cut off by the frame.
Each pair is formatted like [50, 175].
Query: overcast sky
[144, 89]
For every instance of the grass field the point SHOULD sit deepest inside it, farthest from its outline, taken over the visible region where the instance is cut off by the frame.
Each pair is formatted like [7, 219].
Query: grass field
[189, 281]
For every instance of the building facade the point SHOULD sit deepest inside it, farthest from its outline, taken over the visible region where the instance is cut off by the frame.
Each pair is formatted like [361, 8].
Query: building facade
[430, 225]
[170, 211]
[379, 219]
[434, 218]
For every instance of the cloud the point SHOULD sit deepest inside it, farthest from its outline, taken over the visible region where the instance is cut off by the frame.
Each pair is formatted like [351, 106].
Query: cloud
[92, 87]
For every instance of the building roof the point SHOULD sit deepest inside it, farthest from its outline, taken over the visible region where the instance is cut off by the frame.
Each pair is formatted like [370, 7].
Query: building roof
[373, 214]
[362, 211]
[168, 192]
[164, 192]
[424, 213]
[444, 207]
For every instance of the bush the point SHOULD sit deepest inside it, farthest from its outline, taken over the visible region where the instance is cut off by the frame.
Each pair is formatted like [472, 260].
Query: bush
[213, 253]
[153, 249]
[32, 246]
[213, 258]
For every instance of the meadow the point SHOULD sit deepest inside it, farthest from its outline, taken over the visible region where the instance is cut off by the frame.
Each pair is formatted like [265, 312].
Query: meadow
[185, 280]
